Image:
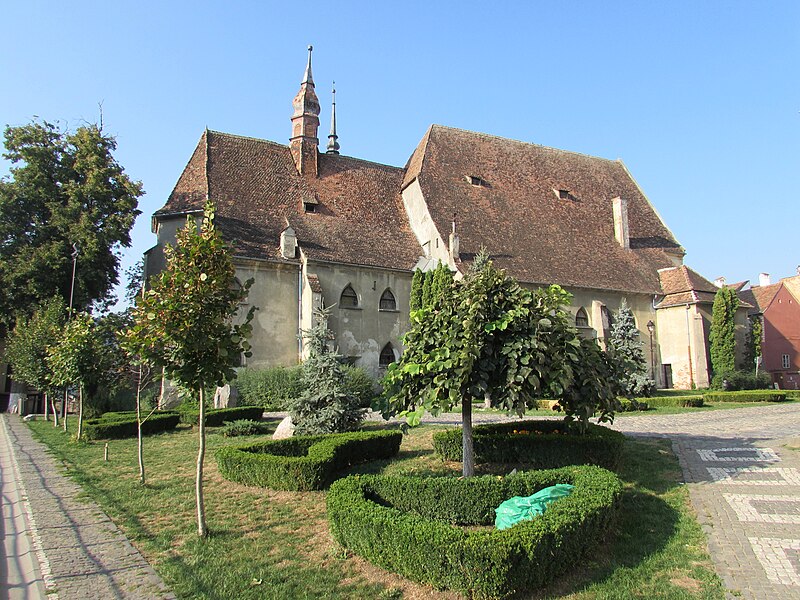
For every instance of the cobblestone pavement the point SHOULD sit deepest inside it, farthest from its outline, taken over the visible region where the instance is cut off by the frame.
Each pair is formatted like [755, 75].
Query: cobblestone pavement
[744, 485]
[80, 552]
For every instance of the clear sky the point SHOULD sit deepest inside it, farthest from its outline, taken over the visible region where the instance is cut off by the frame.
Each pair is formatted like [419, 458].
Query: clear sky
[701, 100]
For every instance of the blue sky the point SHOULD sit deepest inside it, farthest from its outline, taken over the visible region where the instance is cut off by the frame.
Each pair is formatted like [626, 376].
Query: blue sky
[701, 100]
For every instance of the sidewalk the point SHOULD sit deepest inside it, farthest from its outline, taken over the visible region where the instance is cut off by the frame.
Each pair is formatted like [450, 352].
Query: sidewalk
[58, 545]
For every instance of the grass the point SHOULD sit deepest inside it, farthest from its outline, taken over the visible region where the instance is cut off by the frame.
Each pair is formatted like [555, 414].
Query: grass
[267, 544]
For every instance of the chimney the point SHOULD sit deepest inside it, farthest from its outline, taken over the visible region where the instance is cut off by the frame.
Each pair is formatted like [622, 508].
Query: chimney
[288, 242]
[620, 207]
[763, 279]
[719, 282]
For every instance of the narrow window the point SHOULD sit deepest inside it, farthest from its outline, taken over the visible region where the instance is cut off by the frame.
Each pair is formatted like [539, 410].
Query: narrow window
[348, 299]
[387, 300]
[387, 356]
[785, 361]
[581, 319]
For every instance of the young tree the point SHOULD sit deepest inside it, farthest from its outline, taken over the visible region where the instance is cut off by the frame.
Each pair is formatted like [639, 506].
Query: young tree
[64, 189]
[487, 334]
[184, 323]
[415, 302]
[755, 336]
[28, 344]
[326, 404]
[625, 345]
[723, 332]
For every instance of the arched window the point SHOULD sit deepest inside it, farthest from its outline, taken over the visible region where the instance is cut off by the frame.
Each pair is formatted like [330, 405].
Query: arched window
[387, 356]
[387, 300]
[581, 319]
[348, 299]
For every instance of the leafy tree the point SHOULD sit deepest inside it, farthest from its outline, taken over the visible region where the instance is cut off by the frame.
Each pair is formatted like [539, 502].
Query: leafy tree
[64, 189]
[487, 334]
[326, 405]
[625, 346]
[415, 302]
[28, 344]
[77, 360]
[183, 323]
[723, 331]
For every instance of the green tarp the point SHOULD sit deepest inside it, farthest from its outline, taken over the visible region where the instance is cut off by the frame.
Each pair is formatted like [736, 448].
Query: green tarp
[525, 508]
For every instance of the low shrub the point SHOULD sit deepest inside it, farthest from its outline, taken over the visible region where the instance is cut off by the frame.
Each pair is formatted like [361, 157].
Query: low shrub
[304, 463]
[632, 405]
[539, 443]
[406, 525]
[243, 427]
[122, 427]
[269, 388]
[217, 416]
[746, 396]
[731, 381]
[360, 384]
[680, 401]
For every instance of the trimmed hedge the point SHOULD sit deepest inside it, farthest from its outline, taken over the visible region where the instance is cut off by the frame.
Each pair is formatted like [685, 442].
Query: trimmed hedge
[119, 426]
[215, 417]
[546, 450]
[746, 396]
[406, 525]
[308, 462]
[681, 401]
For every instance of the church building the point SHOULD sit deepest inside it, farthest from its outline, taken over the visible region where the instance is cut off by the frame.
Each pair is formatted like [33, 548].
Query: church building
[318, 228]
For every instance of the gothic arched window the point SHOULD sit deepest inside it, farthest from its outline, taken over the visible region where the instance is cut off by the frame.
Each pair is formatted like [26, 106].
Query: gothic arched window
[348, 299]
[387, 300]
[387, 356]
[581, 318]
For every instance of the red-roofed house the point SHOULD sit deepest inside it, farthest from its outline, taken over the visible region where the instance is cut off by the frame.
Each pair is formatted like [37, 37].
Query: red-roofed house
[318, 228]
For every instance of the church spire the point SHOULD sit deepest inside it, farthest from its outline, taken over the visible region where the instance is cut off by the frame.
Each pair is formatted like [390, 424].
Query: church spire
[333, 144]
[305, 121]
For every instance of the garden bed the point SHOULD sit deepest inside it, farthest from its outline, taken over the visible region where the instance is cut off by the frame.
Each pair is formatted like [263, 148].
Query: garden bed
[304, 462]
[538, 443]
[411, 526]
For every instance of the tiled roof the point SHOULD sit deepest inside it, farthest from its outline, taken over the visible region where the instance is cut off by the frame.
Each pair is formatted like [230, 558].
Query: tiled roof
[359, 218]
[526, 228]
[683, 279]
[760, 297]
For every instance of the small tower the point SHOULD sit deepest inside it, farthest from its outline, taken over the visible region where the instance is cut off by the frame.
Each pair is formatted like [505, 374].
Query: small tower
[305, 121]
[333, 144]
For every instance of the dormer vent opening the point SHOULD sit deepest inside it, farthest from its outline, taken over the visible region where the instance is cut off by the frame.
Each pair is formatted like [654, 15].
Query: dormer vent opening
[562, 194]
[476, 180]
[310, 203]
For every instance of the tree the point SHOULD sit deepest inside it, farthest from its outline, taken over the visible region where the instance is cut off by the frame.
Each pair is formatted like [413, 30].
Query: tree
[755, 335]
[184, 322]
[64, 189]
[417, 281]
[442, 279]
[77, 359]
[487, 334]
[326, 404]
[723, 332]
[28, 344]
[625, 346]
[427, 289]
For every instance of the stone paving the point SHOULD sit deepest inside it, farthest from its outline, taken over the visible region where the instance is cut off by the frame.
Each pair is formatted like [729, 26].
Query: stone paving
[81, 553]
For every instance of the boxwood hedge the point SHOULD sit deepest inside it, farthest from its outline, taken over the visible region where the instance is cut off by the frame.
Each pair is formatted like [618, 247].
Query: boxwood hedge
[304, 462]
[215, 417]
[746, 396]
[681, 401]
[121, 426]
[539, 443]
[410, 525]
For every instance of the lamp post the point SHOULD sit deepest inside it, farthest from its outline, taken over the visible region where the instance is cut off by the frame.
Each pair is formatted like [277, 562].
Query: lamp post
[651, 327]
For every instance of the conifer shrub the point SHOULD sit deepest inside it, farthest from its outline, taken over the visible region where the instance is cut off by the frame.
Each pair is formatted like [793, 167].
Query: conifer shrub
[243, 427]
[746, 396]
[119, 426]
[542, 444]
[412, 526]
[303, 463]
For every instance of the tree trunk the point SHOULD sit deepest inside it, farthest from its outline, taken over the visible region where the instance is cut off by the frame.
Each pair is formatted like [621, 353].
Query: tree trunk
[64, 409]
[202, 531]
[487, 400]
[55, 411]
[140, 451]
[46, 412]
[80, 411]
[468, 456]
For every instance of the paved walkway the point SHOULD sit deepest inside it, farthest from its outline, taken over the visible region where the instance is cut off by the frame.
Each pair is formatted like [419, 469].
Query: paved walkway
[58, 545]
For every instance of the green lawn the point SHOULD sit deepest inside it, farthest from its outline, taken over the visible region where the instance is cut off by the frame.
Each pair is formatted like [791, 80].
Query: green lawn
[267, 544]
